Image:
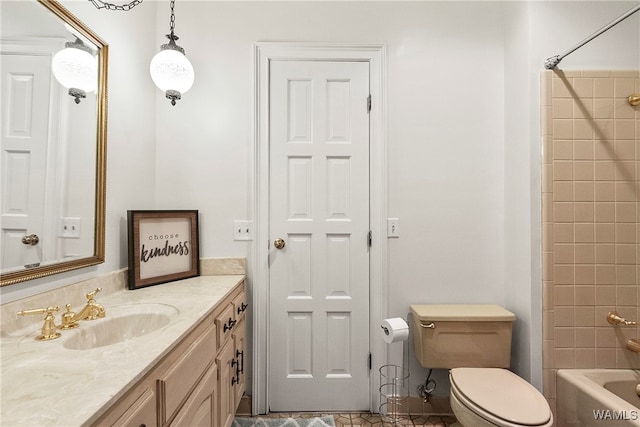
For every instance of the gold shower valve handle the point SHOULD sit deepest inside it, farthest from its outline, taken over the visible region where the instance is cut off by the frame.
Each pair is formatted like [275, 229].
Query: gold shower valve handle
[615, 319]
[278, 243]
[634, 99]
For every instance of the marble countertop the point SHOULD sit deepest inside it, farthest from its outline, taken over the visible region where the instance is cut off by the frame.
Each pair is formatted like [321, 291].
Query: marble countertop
[45, 384]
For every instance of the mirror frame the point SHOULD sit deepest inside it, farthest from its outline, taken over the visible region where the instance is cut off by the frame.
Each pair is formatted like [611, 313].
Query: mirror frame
[101, 160]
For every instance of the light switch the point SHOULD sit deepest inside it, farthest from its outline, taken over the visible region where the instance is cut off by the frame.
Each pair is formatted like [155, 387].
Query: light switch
[393, 227]
[242, 230]
[70, 227]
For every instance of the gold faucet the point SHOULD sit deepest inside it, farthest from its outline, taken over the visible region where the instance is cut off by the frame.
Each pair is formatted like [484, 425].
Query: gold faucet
[615, 319]
[48, 331]
[92, 310]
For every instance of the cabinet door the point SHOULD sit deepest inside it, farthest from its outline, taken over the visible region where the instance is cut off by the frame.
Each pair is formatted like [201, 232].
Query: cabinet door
[239, 338]
[226, 397]
[200, 408]
[183, 374]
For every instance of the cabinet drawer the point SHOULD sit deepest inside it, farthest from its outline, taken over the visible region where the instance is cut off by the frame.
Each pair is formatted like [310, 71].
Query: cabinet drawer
[184, 373]
[141, 413]
[224, 324]
[240, 305]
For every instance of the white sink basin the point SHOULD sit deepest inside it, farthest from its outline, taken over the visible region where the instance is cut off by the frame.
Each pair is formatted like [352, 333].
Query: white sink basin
[121, 323]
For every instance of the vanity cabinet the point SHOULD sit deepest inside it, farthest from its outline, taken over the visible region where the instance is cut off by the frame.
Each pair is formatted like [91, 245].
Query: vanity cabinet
[199, 382]
[231, 384]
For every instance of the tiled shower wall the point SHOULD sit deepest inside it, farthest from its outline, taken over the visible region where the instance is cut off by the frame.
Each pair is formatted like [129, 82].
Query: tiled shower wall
[591, 212]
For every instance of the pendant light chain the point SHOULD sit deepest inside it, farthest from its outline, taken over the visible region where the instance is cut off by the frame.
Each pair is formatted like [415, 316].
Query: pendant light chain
[172, 20]
[110, 6]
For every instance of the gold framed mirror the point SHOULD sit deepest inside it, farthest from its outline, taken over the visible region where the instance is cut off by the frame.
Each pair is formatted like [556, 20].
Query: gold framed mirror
[53, 175]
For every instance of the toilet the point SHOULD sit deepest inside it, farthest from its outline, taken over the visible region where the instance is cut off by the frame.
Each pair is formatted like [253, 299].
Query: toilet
[473, 341]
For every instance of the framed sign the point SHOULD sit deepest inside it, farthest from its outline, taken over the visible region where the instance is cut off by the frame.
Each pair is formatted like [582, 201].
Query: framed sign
[163, 246]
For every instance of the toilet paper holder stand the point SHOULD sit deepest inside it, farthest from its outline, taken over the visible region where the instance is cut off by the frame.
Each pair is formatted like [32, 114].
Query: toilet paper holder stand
[394, 388]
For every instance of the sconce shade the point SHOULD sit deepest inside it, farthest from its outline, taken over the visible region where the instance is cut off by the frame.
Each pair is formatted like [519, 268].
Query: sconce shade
[171, 71]
[76, 69]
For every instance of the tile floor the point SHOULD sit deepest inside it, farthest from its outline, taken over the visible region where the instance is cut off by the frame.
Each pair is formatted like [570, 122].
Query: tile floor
[372, 420]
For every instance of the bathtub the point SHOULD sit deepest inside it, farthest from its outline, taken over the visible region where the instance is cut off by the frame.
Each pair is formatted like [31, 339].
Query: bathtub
[597, 397]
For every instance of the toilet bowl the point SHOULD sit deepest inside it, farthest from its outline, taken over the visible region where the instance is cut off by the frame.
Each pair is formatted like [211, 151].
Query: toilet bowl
[489, 397]
[473, 341]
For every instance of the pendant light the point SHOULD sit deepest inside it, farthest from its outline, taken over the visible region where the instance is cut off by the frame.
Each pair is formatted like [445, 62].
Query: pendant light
[170, 69]
[76, 68]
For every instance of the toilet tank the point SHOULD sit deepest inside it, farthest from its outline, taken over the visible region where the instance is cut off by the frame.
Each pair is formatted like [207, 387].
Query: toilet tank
[462, 335]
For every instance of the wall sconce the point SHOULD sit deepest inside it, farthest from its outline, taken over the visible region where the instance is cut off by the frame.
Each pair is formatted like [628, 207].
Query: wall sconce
[76, 68]
[170, 69]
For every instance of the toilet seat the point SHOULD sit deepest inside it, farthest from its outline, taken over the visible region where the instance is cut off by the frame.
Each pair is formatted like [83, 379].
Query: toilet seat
[500, 397]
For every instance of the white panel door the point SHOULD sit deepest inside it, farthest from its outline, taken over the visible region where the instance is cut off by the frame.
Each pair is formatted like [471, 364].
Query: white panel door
[25, 93]
[319, 207]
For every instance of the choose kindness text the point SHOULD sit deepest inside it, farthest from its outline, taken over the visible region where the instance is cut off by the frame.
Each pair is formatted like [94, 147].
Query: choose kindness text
[181, 248]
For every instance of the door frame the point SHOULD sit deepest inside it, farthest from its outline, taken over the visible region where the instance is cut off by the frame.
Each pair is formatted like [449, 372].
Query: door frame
[263, 54]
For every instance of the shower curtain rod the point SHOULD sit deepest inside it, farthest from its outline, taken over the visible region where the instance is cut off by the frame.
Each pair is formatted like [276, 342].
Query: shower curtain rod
[552, 62]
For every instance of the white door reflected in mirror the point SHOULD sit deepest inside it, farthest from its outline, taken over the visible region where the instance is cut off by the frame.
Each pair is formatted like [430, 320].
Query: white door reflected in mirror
[52, 146]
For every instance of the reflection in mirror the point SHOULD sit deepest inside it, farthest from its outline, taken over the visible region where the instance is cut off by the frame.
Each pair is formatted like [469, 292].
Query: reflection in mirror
[52, 144]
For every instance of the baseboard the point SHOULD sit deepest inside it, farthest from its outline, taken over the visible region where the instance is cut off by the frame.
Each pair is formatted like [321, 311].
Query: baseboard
[437, 405]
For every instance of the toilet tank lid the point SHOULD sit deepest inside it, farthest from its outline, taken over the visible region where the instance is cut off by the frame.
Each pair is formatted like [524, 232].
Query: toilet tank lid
[462, 312]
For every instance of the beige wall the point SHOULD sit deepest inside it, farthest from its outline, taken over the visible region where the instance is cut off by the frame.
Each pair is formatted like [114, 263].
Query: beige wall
[591, 237]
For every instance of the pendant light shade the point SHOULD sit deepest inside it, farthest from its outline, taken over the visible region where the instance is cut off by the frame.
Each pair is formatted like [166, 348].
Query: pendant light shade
[76, 68]
[170, 69]
[172, 72]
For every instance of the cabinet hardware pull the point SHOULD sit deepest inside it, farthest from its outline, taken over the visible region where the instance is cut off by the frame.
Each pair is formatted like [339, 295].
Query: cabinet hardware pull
[229, 325]
[241, 364]
[242, 308]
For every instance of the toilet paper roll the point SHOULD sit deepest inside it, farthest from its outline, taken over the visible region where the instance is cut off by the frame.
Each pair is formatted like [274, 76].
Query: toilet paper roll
[394, 330]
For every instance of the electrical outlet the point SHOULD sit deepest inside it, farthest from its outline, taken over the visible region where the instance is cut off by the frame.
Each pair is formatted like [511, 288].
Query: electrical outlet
[242, 230]
[393, 227]
[70, 227]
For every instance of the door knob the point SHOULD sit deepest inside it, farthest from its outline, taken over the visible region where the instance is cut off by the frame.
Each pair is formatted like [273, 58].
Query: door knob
[278, 243]
[31, 239]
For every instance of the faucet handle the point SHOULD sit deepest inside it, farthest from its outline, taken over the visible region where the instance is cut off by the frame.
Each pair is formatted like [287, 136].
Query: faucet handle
[47, 310]
[91, 295]
[48, 331]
